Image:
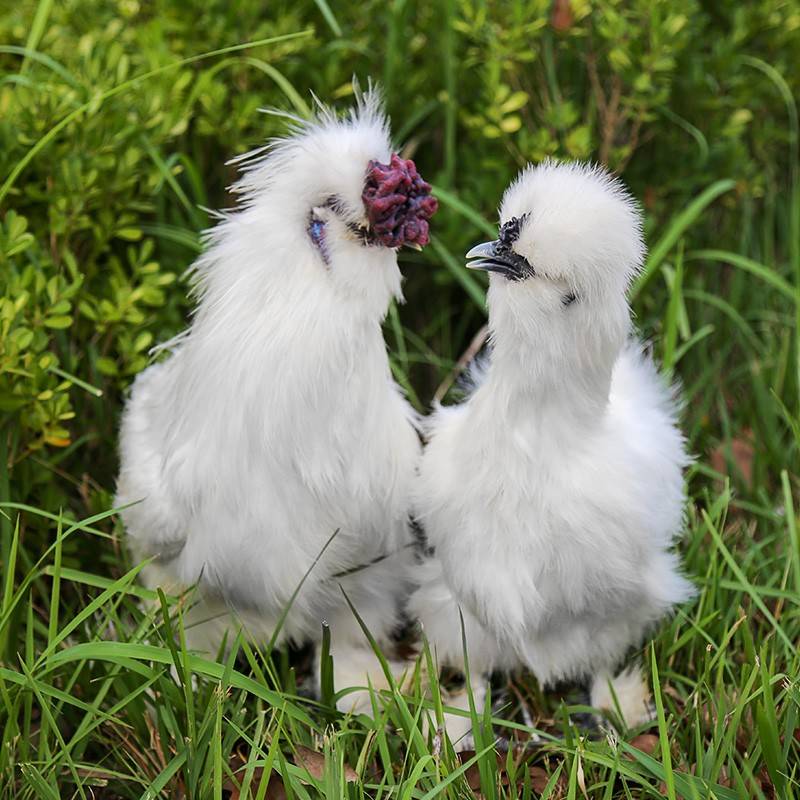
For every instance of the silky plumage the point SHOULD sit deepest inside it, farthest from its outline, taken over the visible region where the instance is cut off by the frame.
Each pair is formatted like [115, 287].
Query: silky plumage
[274, 424]
[552, 495]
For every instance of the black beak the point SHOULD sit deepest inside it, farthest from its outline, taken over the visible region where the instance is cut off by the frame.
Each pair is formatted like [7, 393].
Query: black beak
[498, 257]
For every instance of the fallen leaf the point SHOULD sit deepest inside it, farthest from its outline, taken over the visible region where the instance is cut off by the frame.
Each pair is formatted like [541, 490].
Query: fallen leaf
[561, 19]
[539, 778]
[538, 775]
[676, 696]
[473, 775]
[646, 742]
[275, 788]
[742, 452]
[314, 763]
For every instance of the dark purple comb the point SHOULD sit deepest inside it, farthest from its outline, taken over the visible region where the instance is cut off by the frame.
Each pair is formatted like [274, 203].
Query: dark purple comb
[398, 203]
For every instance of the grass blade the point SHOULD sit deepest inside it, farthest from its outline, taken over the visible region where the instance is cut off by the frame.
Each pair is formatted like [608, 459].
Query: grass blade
[461, 274]
[761, 271]
[663, 733]
[326, 12]
[677, 228]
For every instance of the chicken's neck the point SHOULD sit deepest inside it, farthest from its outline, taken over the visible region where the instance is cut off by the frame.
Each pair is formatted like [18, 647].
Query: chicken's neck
[552, 389]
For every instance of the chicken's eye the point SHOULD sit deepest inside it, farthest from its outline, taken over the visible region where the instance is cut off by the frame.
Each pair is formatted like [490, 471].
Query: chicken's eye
[509, 233]
[336, 204]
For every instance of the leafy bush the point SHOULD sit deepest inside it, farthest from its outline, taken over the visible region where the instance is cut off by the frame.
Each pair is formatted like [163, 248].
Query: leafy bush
[117, 118]
[101, 221]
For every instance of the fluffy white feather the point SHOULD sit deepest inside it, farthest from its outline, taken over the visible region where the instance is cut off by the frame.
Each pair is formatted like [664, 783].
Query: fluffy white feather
[275, 420]
[552, 495]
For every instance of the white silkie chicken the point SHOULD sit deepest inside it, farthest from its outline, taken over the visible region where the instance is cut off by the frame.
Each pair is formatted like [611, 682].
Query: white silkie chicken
[552, 495]
[275, 421]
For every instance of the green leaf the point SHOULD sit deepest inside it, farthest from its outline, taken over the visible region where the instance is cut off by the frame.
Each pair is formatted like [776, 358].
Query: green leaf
[107, 366]
[129, 234]
[58, 322]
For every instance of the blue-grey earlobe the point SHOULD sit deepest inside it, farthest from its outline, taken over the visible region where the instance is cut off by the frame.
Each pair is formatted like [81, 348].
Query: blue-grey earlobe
[316, 232]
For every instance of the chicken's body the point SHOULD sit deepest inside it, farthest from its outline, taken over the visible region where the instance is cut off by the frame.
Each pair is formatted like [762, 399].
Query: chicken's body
[246, 476]
[557, 550]
[275, 423]
[552, 495]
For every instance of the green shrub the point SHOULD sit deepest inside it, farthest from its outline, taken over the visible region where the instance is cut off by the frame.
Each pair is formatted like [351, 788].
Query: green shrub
[116, 120]
[98, 226]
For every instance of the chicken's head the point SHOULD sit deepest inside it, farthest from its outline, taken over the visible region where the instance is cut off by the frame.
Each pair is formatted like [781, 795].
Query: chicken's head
[332, 203]
[569, 245]
[339, 178]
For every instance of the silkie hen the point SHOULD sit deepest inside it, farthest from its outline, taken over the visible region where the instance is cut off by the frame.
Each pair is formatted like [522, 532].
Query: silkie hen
[552, 495]
[275, 421]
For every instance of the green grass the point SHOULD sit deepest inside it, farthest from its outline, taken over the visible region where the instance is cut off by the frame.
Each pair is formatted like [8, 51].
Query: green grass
[107, 696]
[98, 695]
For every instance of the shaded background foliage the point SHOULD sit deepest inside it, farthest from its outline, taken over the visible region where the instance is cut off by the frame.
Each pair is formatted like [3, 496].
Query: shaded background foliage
[680, 96]
[101, 223]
